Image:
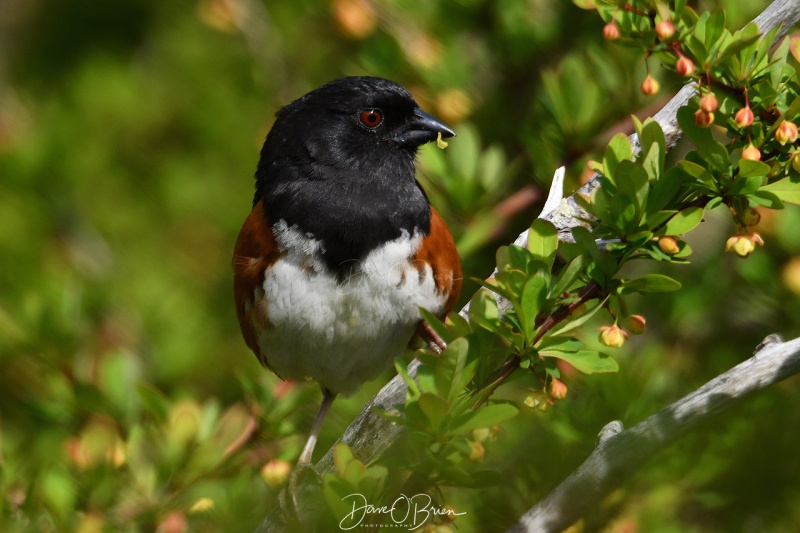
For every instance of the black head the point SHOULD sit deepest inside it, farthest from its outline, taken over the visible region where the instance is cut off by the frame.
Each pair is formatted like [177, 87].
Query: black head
[339, 164]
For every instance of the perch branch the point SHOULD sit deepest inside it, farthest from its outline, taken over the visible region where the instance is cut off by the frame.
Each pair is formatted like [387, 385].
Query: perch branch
[620, 453]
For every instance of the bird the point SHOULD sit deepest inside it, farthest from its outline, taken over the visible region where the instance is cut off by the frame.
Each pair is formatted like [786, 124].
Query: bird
[342, 246]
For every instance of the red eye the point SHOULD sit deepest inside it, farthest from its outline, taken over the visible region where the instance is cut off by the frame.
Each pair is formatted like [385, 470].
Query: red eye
[371, 118]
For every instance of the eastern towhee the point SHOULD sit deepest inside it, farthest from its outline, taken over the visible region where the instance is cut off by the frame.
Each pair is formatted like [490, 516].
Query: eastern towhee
[342, 247]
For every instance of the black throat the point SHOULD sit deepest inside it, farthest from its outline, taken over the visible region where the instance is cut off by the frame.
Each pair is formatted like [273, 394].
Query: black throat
[351, 210]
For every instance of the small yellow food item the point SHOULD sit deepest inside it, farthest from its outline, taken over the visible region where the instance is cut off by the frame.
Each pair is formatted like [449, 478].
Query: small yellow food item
[439, 142]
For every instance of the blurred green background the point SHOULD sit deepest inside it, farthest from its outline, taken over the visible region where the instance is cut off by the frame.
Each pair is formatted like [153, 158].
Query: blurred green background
[129, 134]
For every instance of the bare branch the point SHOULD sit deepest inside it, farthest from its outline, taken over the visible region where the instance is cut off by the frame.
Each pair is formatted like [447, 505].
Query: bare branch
[620, 453]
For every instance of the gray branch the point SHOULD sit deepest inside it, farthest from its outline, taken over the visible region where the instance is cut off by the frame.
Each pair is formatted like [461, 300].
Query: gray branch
[370, 434]
[619, 453]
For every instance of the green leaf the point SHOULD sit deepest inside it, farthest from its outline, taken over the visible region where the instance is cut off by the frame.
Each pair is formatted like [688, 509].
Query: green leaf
[435, 409]
[436, 325]
[749, 168]
[450, 368]
[683, 222]
[664, 190]
[543, 241]
[576, 322]
[787, 190]
[697, 172]
[633, 182]
[747, 185]
[567, 276]
[585, 241]
[342, 457]
[534, 295]
[402, 371]
[765, 198]
[485, 417]
[586, 361]
[651, 283]
[153, 401]
[698, 135]
[496, 286]
[483, 310]
[651, 138]
[619, 149]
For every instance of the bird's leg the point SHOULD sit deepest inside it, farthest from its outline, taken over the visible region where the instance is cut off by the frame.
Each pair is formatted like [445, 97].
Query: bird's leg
[304, 465]
[435, 342]
[308, 449]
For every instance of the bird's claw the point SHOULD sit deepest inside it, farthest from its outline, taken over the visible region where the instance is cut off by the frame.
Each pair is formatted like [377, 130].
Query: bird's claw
[293, 501]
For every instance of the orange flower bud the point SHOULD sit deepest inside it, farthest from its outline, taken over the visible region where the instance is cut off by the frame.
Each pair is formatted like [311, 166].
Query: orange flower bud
[538, 400]
[173, 522]
[708, 103]
[669, 245]
[476, 451]
[750, 217]
[751, 152]
[796, 161]
[613, 336]
[786, 132]
[276, 472]
[557, 389]
[611, 31]
[743, 245]
[650, 86]
[684, 66]
[637, 324]
[481, 434]
[703, 118]
[744, 117]
[665, 30]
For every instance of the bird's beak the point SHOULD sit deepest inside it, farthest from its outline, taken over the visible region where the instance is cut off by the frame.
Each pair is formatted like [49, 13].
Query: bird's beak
[421, 129]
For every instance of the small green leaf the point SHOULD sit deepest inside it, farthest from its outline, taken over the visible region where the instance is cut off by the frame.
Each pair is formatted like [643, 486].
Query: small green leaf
[651, 283]
[534, 295]
[483, 310]
[567, 276]
[633, 183]
[570, 325]
[683, 222]
[586, 361]
[664, 190]
[543, 241]
[435, 409]
[342, 457]
[749, 168]
[485, 417]
[619, 149]
[449, 369]
[402, 371]
[749, 185]
[154, 401]
[651, 137]
[697, 172]
[765, 198]
[786, 189]
[436, 325]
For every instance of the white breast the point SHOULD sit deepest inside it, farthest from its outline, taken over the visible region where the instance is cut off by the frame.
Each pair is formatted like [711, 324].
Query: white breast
[342, 333]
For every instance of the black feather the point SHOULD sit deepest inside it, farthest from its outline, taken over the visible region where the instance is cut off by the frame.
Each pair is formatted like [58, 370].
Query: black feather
[349, 186]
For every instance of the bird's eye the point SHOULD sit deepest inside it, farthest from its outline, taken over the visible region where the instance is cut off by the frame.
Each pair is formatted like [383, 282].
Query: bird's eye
[371, 118]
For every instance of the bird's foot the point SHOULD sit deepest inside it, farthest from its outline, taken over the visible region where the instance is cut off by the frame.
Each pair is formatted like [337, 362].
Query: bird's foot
[296, 506]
